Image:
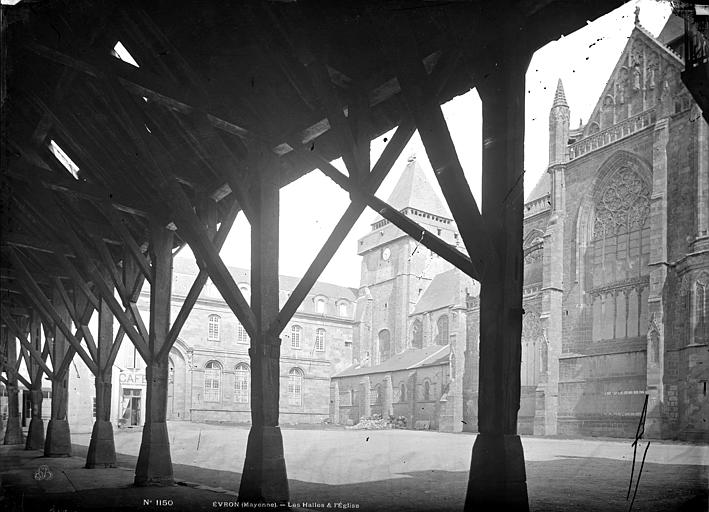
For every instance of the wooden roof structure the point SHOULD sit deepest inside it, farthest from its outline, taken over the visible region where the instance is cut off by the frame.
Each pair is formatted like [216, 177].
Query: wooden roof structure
[222, 88]
[132, 128]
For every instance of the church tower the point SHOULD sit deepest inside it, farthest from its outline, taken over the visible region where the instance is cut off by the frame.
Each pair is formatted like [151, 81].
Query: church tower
[396, 270]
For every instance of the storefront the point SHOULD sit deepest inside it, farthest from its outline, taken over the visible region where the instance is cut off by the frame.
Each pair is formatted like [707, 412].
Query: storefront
[131, 395]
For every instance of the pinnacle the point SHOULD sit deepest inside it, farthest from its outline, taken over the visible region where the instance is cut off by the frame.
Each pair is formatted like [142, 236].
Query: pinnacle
[560, 97]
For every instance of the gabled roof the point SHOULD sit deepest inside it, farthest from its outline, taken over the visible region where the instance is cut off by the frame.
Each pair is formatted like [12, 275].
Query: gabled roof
[541, 189]
[673, 29]
[639, 33]
[414, 190]
[443, 291]
[286, 283]
[407, 360]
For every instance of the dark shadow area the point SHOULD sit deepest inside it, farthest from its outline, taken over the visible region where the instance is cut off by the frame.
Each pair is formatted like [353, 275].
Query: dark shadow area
[564, 484]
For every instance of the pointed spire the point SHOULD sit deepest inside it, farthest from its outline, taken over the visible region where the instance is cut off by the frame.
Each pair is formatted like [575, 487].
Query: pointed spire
[414, 190]
[559, 97]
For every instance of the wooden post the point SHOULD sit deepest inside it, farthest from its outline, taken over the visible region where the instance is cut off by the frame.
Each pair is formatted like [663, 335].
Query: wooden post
[35, 434]
[13, 430]
[154, 465]
[497, 472]
[58, 442]
[264, 477]
[102, 450]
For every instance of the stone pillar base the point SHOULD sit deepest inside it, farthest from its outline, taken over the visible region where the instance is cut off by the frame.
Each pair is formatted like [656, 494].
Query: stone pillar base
[13, 432]
[264, 478]
[35, 435]
[497, 479]
[102, 449]
[58, 442]
[154, 466]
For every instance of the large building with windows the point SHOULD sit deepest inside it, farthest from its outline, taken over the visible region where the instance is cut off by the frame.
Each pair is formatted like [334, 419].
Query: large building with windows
[210, 377]
[616, 261]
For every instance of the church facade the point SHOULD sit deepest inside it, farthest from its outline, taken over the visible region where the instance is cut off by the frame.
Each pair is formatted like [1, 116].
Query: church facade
[616, 258]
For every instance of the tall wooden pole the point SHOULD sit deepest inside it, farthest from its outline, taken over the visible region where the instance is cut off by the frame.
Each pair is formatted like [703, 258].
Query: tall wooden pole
[102, 449]
[13, 430]
[154, 465]
[58, 441]
[264, 477]
[497, 472]
[35, 434]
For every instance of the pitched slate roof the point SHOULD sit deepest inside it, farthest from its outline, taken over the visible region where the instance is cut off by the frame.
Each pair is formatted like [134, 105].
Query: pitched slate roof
[414, 190]
[541, 189]
[673, 29]
[407, 360]
[286, 283]
[443, 291]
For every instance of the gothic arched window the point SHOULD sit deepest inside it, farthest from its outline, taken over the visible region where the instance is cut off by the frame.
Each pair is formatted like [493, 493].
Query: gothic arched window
[417, 334]
[700, 313]
[618, 256]
[384, 345]
[426, 391]
[442, 325]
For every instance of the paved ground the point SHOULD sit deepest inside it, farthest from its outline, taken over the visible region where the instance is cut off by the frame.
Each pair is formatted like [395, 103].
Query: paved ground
[402, 470]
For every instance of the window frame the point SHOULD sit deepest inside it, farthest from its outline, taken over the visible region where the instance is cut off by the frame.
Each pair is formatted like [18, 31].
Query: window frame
[241, 335]
[320, 334]
[213, 374]
[296, 333]
[214, 327]
[242, 383]
[296, 376]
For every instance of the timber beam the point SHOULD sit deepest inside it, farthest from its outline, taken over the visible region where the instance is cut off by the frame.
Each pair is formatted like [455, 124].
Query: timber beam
[11, 361]
[191, 229]
[380, 170]
[408, 226]
[436, 138]
[39, 299]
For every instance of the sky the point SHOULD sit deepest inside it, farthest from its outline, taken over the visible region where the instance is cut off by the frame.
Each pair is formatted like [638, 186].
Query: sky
[312, 205]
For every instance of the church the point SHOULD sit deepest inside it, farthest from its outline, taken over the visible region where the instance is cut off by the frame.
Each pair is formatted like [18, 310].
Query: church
[616, 309]
[616, 252]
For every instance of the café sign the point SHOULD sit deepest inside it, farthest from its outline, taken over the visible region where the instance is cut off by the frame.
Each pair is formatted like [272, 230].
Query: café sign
[133, 378]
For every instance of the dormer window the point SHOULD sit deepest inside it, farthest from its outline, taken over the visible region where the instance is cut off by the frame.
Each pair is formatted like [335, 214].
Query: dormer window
[119, 51]
[320, 306]
[64, 159]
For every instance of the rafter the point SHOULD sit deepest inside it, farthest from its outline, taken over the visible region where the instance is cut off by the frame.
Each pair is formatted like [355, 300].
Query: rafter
[37, 296]
[422, 102]
[386, 160]
[199, 282]
[189, 225]
[37, 356]
[139, 81]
